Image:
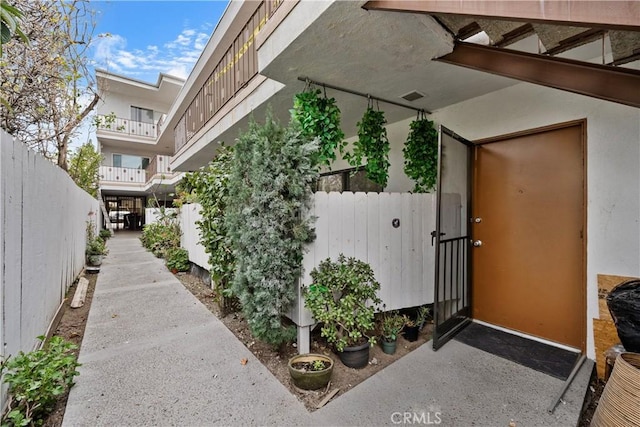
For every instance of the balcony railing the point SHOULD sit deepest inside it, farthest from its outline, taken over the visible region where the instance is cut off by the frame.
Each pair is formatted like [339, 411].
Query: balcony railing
[158, 165]
[238, 65]
[125, 175]
[127, 126]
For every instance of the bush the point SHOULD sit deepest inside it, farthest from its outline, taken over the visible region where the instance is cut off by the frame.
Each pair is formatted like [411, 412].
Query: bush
[270, 185]
[161, 236]
[105, 234]
[178, 259]
[36, 379]
[343, 296]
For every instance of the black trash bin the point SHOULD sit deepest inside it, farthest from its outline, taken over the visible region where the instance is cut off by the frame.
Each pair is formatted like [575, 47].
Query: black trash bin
[624, 305]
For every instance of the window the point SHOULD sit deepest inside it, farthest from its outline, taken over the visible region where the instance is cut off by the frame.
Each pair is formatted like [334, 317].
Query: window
[131, 162]
[141, 115]
[347, 180]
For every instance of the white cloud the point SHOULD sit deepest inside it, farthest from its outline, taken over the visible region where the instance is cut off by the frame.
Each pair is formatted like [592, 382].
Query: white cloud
[176, 57]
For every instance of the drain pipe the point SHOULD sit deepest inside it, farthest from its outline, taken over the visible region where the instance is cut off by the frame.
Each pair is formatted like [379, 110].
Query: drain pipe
[567, 383]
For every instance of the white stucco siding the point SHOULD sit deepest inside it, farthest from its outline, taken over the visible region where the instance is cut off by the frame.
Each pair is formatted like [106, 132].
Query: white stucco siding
[613, 167]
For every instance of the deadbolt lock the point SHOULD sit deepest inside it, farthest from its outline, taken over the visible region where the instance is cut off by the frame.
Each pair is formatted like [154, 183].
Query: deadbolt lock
[478, 220]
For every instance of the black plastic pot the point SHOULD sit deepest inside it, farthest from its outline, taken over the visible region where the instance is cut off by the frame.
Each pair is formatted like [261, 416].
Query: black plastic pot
[411, 333]
[624, 304]
[355, 357]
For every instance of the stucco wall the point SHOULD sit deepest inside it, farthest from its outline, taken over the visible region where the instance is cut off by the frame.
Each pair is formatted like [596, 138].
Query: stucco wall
[121, 106]
[43, 218]
[613, 167]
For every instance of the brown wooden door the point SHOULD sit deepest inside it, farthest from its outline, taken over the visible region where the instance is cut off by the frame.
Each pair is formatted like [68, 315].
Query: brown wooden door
[528, 272]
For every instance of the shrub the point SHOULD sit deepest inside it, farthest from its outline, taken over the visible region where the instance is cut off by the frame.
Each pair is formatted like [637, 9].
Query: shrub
[178, 259]
[161, 236]
[105, 234]
[36, 379]
[343, 296]
[209, 187]
[270, 185]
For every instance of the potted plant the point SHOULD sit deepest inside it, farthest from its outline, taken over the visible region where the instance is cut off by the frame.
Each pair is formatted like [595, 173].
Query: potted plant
[412, 327]
[95, 249]
[391, 325]
[310, 371]
[343, 296]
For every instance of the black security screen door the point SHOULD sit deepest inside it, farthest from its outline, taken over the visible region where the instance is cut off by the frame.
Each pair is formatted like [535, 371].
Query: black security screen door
[452, 297]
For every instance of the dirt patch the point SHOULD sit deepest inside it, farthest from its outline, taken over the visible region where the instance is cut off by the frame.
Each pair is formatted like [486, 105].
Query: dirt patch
[276, 360]
[596, 386]
[71, 328]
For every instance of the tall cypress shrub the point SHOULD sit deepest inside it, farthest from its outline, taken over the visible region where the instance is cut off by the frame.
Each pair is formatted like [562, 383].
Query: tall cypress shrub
[270, 184]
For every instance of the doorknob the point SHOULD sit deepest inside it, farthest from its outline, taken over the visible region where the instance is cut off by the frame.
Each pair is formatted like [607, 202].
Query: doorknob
[477, 243]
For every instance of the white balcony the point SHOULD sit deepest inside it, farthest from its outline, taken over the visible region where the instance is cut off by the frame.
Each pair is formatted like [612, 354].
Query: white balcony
[119, 125]
[113, 174]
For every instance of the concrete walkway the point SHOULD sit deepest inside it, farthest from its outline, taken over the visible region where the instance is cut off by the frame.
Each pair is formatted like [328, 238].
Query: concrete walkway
[153, 355]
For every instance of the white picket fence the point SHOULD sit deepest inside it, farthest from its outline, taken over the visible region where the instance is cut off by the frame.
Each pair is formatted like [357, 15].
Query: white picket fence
[43, 218]
[390, 231]
[190, 239]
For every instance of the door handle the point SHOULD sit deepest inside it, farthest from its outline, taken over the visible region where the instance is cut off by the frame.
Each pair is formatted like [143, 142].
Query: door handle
[433, 236]
[477, 243]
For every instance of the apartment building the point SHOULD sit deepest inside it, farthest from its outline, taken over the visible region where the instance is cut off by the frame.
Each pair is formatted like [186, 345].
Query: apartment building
[545, 95]
[135, 167]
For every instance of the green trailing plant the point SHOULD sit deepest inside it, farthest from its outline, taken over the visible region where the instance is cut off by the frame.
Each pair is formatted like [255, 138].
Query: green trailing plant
[163, 235]
[319, 117]
[209, 187]
[36, 380]
[421, 154]
[177, 259]
[270, 185]
[372, 146]
[343, 296]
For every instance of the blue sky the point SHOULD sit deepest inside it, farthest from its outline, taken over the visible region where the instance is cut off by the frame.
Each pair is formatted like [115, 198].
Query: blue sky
[140, 39]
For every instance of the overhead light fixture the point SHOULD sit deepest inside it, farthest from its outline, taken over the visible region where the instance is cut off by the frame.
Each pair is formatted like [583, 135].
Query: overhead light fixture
[412, 96]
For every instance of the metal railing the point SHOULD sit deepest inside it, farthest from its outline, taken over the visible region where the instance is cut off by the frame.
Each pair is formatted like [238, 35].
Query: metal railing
[158, 165]
[236, 68]
[127, 126]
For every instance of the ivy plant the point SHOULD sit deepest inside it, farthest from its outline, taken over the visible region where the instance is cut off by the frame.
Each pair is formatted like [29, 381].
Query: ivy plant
[36, 379]
[319, 117]
[421, 155]
[373, 146]
[270, 185]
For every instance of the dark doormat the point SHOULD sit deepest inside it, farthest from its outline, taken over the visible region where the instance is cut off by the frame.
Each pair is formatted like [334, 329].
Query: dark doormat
[544, 358]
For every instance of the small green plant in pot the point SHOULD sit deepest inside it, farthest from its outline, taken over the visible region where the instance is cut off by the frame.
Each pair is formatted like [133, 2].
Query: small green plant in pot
[95, 247]
[343, 296]
[391, 325]
[178, 260]
[310, 371]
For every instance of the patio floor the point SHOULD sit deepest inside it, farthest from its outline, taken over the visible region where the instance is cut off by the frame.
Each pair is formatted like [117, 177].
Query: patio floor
[154, 355]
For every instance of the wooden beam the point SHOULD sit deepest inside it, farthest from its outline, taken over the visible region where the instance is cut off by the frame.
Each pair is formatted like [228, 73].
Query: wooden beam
[608, 14]
[604, 82]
